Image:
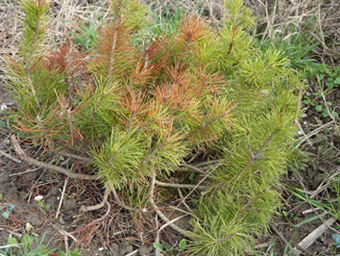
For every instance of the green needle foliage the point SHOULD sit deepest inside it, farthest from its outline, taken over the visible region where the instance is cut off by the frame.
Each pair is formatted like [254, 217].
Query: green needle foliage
[142, 111]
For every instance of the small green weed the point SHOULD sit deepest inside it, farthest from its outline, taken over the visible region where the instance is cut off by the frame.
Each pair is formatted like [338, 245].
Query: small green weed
[166, 20]
[270, 250]
[296, 46]
[2, 124]
[46, 207]
[25, 247]
[5, 209]
[324, 111]
[308, 101]
[69, 253]
[323, 72]
[171, 249]
[326, 80]
[289, 216]
[86, 34]
[332, 206]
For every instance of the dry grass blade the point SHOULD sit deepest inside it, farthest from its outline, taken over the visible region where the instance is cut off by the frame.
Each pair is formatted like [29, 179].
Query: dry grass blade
[282, 238]
[314, 132]
[62, 197]
[9, 246]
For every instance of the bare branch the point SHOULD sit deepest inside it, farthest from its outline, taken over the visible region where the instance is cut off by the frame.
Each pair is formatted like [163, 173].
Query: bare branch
[59, 169]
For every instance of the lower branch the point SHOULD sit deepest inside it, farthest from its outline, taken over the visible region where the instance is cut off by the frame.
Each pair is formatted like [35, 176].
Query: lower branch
[122, 204]
[173, 185]
[82, 158]
[161, 214]
[167, 221]
[98, 206]
[59, 169]
[225, 238]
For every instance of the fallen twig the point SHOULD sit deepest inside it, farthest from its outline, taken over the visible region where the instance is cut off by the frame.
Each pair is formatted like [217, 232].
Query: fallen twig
[308, 240]
[61, 198]
[23, 173]
[82, 158]
[29, 193]
[59, 169]
[281, 237]
[10, 157]
[17, 235]
[97, 206]
[122, 204]
[161, 214]
[173, 185]
[65, 234]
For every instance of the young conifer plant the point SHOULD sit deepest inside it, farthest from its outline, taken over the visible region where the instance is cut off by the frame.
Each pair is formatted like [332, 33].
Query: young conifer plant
[141, 112]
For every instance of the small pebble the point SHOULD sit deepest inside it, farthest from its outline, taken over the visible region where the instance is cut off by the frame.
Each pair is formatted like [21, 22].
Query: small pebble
[38, 198]
[3, 107]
